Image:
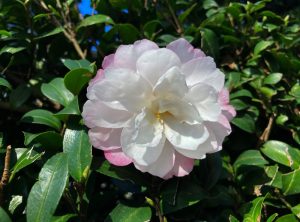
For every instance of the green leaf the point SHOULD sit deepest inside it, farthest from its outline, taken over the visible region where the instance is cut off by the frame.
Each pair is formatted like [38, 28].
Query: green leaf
[272, 217]
[76, 144]
[186, 13]
[4, 216]
[296, 210]
[287, 218]
[123, 213]
[241, 93]
[19, 95]
[276, 177]
[254, 214]
[282, 153]
[210, 43]
[47, 191]
[57, 91]
[291, 183]
[43, 117]
[268, 92]
[5, 33]
[261, 46]
[16, 200]
[75, 64]
[178, 194]
[55, 31]
[239, 104]
[76, 79]
[5, 83]
[233, 219]
[245, 122]
[48, 139]
[28, 157]
[71, 109]
[63, 218]
[123, 173]
[150, 28]
[273, 78]
[95, 19]
[11, 50]
[128, 33]
[250, 158]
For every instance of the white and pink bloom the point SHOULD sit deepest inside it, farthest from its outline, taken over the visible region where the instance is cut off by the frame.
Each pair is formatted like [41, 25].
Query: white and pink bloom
[158, 108]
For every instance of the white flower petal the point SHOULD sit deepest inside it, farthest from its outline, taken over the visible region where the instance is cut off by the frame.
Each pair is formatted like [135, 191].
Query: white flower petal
[154, 63]
[96, 113]
[123, 87]
[127, 55]
[180, 109]
[105, 138]
[205, 99]
[209, 146]
[185, 50]
[143, 139]
[203, 70]
[171, 84]
[183, 135]
[163, 165]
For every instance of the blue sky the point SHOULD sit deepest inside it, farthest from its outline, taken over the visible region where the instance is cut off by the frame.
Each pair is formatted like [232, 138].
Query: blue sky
[85, 7]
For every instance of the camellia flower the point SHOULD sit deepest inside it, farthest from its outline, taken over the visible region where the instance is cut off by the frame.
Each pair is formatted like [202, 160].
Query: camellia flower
[158, 108]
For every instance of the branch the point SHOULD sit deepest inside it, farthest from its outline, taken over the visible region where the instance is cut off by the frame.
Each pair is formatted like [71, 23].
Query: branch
[266, 134]
[178, 25]
[5, 175]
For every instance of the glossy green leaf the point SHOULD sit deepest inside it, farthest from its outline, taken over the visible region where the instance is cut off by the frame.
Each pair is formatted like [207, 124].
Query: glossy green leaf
[94, 20]
[76, 79]
[186, 13]
[76, 144]
[11, 50]
[63, 218]
[14, 203]
[48, 139]
[245, 122]
[250, 158]
[4, 216]
[275, 175]
[254, 214]
[71, 109]
[273, 78]
[51, 33]
[123, 173]
[76, 64]
[291, 183]
[287, 218]
[57, 91]
[47, 191]
[123, 213]
[282, 153]
[261, 46]
[43, 117]
[272, 217]
[19, 95]
[233, 219]
[179, 194]
[210, 43]
[296, 210]
[28, 157]
[5, 83]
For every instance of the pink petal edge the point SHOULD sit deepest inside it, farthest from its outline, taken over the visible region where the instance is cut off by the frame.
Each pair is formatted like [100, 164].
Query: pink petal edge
[117, 157]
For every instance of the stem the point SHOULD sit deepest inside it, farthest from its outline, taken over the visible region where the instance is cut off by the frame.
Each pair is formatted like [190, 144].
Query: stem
[266, 134]
[178, 25]
[68, 31]
[5, 175]
[155, 195]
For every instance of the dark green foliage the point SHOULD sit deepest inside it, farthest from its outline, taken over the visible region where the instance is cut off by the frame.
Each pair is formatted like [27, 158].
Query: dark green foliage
[49, 53]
